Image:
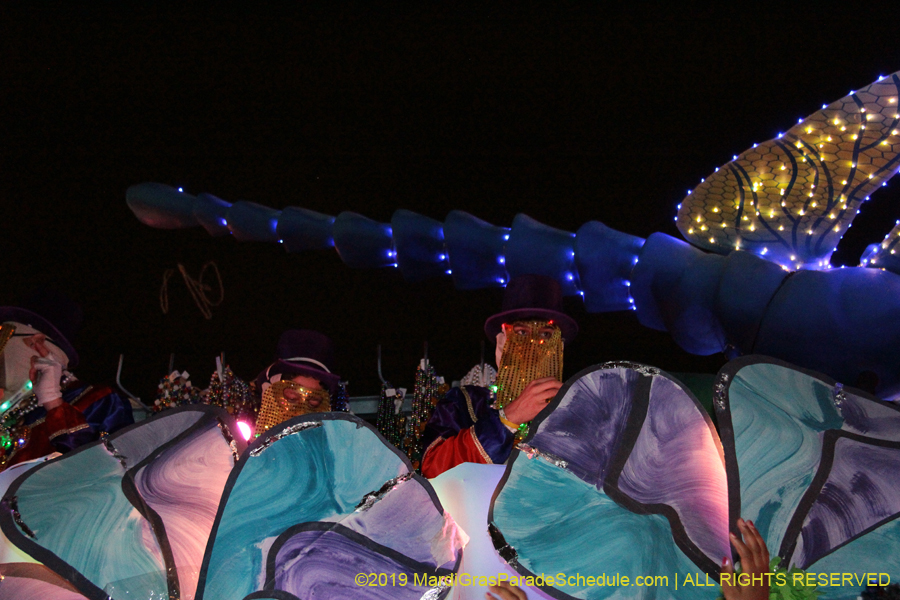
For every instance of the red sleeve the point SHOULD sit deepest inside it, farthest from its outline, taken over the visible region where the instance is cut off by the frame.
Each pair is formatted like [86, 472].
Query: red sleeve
[446, 453]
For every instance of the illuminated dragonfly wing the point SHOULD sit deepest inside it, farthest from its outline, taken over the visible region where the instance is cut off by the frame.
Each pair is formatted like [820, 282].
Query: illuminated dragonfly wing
[626, 476]
[814, 465]
[792, 198]
[319, 499]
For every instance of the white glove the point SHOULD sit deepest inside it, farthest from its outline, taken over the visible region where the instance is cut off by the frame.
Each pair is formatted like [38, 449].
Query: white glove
[46, 389]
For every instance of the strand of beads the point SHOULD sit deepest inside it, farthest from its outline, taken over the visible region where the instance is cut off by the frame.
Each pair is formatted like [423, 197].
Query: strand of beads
[175, 389]
[388, 419]
[233, 394]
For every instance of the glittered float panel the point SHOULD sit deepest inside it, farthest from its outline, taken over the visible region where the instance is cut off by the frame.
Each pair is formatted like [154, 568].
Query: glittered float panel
[816, 465]
[861, 491]
[90, 523]
[645, 494]
[676, 461]
[322, 468]
[322, 560]
[30, 581]
[585, 431]
[183, 486]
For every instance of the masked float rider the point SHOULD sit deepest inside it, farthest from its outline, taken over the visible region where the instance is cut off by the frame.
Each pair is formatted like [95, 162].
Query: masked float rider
[44, 408]
[476, 424]
[300, 381]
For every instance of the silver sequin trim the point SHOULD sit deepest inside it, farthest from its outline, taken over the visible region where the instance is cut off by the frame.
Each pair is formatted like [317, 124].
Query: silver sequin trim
[838, 395]
[638, 367]
[371, 498]
[720, 391]
[283, 434]
[229, 438]
[553, 460]
[434, 593]
[115, 453]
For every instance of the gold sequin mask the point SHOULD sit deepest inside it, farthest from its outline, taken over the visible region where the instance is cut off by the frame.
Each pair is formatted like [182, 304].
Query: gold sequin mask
[528, 356]
[277, 408]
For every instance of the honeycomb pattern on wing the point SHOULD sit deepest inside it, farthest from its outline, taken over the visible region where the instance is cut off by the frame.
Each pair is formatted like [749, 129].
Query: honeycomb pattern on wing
[791, 199]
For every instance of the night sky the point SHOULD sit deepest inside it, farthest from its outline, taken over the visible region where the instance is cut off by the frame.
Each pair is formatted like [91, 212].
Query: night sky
[564, 115]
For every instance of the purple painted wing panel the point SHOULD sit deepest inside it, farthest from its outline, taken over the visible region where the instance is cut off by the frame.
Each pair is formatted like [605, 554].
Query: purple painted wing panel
[183, 486]
[322, 560]
[677, 461]
[586, 426]
[862, 490]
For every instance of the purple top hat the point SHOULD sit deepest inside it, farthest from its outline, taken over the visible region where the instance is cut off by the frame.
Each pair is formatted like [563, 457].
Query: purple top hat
[303, 352]
[54, 334]
[532, 297]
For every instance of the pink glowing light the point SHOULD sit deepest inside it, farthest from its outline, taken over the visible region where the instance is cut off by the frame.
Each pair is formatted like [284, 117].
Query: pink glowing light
[245, 430]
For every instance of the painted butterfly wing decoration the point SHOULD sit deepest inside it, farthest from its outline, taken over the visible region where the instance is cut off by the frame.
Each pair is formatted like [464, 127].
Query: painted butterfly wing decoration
[317, 500]
[128, 516]
[815, 466]
[626, 476]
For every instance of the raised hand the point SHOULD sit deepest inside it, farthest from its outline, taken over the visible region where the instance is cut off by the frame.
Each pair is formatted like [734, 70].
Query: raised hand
[532, 400]
[754, 562]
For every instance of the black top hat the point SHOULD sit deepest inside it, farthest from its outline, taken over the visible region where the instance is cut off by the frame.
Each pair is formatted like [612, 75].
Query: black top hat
[52, 313]
[304, 352]
[532, 297]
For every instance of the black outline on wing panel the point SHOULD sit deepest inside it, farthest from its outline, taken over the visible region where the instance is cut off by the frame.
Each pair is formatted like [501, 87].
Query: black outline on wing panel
[264, 440]
[635, 420]
[362, 540]
[808, 500]
[211, 420]
[84, 585]
[271, 595]
[725, 378]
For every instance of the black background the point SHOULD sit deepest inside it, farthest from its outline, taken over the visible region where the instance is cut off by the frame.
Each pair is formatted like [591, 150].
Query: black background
[565, 114]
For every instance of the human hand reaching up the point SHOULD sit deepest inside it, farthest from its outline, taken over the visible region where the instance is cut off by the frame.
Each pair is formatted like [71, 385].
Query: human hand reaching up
[505, 591]
[754, 562]
[533, 399]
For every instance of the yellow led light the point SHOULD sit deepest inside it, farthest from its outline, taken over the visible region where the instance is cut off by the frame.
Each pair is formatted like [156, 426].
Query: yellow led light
[712, 240]
[837, 122]
[698, 219]
[783, 167]
[855, 136]
[753, 228]
[781, 228]
[829, 138]
[814, 204]
[691, 230]
[809, 130]
[793, 257]
[809, 232]
[831, 216]
[703, 228]
[843, 128]
[801, 212]
[716, 209]
[844, 182]
[723, 225]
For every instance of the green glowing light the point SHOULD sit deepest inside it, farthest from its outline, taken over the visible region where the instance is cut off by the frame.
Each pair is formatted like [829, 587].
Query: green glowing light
[4, 406]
